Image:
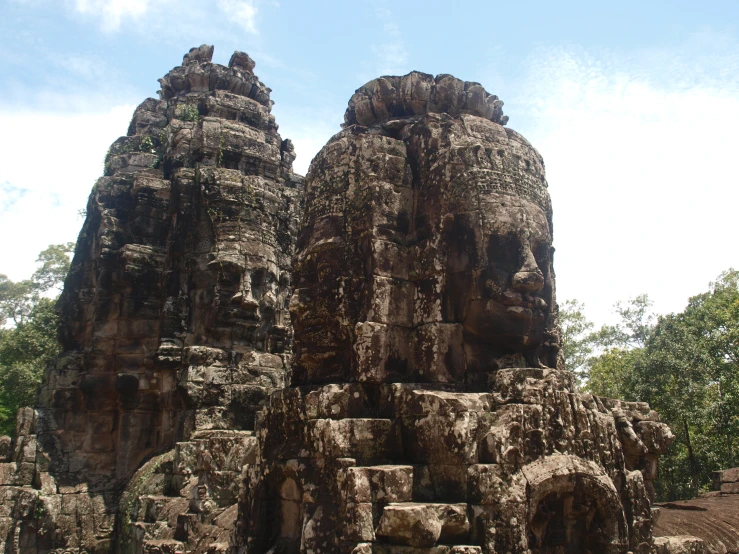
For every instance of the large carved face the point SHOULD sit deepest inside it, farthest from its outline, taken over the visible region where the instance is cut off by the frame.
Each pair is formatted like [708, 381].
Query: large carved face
[500, 277]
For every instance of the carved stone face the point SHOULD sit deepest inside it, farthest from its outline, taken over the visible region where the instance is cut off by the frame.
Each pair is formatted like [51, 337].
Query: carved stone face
[509, 279]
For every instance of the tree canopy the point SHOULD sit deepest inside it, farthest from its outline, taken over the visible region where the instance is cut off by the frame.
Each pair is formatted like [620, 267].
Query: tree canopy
[685, 365]
[28, 331]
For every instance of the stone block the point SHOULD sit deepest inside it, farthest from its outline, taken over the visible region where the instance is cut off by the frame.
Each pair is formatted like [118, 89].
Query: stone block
[428, 440]
[204, 356]
[423, 525]
[359, 526]
[413, 400]
[378, 484]
[486, 486]
[25, 422]
[363, 439]
[730, 488]
[390, 260]
[681, 544]
[391, 302]
[186, 457]
[166, 546]
[25, 449]
[382, 352]
[730, 475]
[438, 354]
[336, 402]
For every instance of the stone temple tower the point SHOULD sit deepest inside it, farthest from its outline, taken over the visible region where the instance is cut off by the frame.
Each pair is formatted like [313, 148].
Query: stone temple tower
[175, 326]
[429, 410]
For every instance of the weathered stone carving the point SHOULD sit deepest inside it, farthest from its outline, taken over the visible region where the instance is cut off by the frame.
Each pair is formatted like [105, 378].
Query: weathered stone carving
[175, 325]
[429, 410]
[425, 255]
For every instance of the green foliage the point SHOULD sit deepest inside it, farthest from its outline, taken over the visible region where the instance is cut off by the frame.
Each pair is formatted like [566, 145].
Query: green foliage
[612, 372]
[686, 366]
[187, 112]
[577, 343]
[55, 264]
[31, 343]
[16, 300]
[147, 145]
[583, 347]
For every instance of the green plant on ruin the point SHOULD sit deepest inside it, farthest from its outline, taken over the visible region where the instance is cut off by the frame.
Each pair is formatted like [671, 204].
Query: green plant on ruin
[39, 511]
[187, 112]
[107, 167]
[147, 145]
[219, 160]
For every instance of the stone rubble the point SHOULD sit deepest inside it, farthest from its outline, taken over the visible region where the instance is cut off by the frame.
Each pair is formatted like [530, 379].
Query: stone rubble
[420, 406]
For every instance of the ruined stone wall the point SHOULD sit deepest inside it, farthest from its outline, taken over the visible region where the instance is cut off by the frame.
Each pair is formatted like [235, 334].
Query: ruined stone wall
[174, 315]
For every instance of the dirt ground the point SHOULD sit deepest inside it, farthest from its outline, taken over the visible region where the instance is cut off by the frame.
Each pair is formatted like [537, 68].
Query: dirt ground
[714, 518]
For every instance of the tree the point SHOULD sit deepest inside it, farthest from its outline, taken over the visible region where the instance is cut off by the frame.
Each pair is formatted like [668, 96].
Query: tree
[637, 321]
[30, 343]
[25, 350]
[577, 343]
[18, 299]
[601, 358]
[686, 366]
[55, 262]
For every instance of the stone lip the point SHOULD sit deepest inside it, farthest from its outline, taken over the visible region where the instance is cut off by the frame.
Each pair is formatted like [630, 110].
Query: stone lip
[417, 93]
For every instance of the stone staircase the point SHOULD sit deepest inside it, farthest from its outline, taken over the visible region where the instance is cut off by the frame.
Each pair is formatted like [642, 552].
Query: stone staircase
[186, 500]
[378, 500]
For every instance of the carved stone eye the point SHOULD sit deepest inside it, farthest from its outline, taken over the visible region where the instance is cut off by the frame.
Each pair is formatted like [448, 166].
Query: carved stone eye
[505, 251]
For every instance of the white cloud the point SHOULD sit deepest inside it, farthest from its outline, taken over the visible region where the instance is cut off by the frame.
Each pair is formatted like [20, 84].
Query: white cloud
[112, 12]
[391, 55]
[167, 19]
[56, 159]
[86, 67]
[640, 155]
[241, 12]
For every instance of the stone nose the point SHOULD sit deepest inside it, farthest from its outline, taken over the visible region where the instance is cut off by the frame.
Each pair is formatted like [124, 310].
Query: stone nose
[529, 277]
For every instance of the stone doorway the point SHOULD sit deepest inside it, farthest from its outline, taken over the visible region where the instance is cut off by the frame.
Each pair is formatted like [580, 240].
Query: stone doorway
[573, 508]
[567, 523]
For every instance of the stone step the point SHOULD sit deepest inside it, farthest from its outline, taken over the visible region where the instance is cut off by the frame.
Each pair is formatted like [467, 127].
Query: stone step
[359, 438]
[161, 508]
[423, 525]
[379, 483]
[163, 547]
[442, 549]
[151, 507]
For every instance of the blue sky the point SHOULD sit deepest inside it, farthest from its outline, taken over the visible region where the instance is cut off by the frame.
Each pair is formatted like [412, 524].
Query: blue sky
[634, 106]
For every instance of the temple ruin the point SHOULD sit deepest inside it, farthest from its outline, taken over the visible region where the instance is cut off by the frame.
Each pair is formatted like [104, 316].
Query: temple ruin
[363, 361]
